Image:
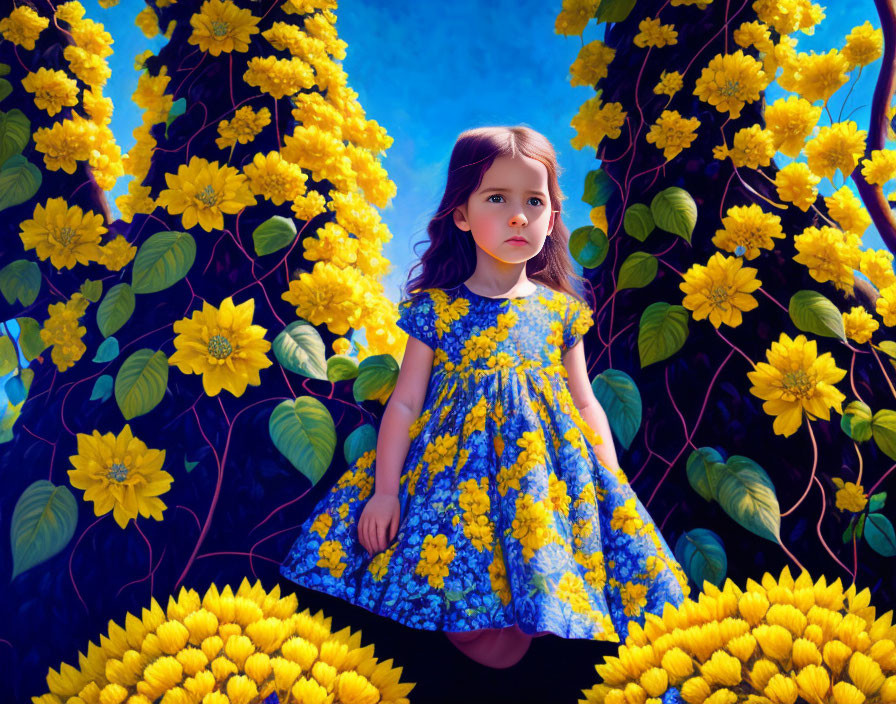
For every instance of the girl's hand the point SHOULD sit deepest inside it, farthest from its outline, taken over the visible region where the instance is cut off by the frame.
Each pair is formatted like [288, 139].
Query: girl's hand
[379, 522]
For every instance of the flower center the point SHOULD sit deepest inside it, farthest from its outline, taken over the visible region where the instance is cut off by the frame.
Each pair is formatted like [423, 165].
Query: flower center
[719, 297]
[65, 234]
[207, 196]
[118, 472]
[731, 88]
[219, 347]
[220, 29]
[798, 382]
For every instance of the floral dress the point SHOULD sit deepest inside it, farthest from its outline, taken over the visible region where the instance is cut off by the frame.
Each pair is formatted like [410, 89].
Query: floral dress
[507, 515]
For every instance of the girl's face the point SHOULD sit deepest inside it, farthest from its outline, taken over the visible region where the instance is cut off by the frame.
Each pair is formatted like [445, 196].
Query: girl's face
[511, 202]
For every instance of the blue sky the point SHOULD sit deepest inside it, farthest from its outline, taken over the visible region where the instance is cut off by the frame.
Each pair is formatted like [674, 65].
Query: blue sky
[428, 71]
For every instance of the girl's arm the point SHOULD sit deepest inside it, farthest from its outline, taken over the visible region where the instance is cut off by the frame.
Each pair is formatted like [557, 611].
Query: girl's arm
[596, 417]
[403, 408]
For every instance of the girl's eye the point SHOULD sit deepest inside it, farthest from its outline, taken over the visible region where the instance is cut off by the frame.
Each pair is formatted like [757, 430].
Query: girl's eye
[498, 195]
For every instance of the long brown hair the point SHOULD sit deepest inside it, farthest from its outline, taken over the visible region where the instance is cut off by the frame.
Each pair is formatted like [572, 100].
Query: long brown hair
[450, 258]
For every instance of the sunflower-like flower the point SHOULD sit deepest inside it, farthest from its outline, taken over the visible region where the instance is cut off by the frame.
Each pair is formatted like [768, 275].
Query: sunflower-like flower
[120, 474]
[23, 26]
[730, 81]
[67, 236]
[203, 192]
[720, 290]
[750, 227]
[227, 647]
[776, 641]
[52, 89]
[797, 379]
[223, 346]
[222, 26]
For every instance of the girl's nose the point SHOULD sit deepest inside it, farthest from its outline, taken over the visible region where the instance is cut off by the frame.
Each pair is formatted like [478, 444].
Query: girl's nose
[517, 220]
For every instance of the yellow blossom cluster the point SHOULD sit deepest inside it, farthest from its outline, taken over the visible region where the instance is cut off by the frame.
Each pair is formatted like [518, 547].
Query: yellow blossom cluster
[435, 560]
[673, 133]
[653, 33]
[243, 127]
[877, 265]
[61, 330]
[836, 146]
[221, 26]
[730, 81]
[753, 147]
[788, 16]
[847, 210]
[791, 121]
[748, 226]
[574, 16]
[594, 121]
[226, 647]
[23, 26]
[830, 255]
[279, 77]
[859, 325]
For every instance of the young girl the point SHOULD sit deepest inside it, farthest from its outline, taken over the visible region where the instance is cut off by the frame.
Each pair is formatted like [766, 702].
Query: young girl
[494, 509]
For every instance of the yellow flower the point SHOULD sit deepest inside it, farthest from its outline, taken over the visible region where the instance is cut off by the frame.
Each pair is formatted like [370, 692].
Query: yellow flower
[670, 83]
[275, 178]
[859, 324]
[222, 26]
[98, 108]
[652, 33]
[595, 121]
[147, 22]
[864, 44]
[52, 89]
[836, 146]
[279, 77]
[61, 330]
[753, 147]
[787, 16]
[223, 346]
[877, 265]
[791, 121]
[203, 192]
[574, 16]
[881, 167]
[66, 236]
[243, 127]
[92, 37]
[120, 474]
[847, 210]
[23, 26]
[598, 217]
[70, 12]
[591, 63]
[796, 184]
[720, 290]
[795, 380]
[821, 75]
[829, 254]
[117, 253]
[748, 226]
[92, 69]
[136, 201]
[730, 81]
[886, 305]
[672, 133]
[754, 34]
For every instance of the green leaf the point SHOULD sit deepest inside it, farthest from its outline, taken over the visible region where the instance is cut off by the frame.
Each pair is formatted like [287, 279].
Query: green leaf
[92, 290]
[189, 465]
[9, 358]
[675, 211]
[701, 554]
[704, 468]
[662, 332]
[856, 421]
[883, 429]
[43, 523]
[362, 439]
[4, 69]
[115, 309]
[30, 341]
[876, 501]
[618, 395]
[812, 312]
[102, 389]
[847, 534]
[638, 221]
[107, 351]
[589, 246]
[20, 280]
[19, 181]
[274, 234]
[887, 347]
[614, 10]
[141, 382]
[15, 390]
[879, 534]
[300, 349]
[178, 107]
[304, 433]
[637, 271]
[598, 188]
[376, 378]
[162, 261]
[5, 88]
[746, 493]
[15, 132]
[341, 367]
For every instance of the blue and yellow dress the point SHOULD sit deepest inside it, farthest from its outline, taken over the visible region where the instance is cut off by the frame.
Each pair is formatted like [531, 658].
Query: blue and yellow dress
[507, 515]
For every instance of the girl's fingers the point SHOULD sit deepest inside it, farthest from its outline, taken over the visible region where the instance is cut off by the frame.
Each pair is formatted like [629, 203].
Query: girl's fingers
[380, 536]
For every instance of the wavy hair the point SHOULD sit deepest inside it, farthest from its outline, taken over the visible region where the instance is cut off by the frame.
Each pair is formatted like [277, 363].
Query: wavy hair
[450, 257]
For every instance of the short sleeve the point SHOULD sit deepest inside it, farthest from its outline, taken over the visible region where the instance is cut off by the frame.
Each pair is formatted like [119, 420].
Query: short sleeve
[416, 316]
[579, 319]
